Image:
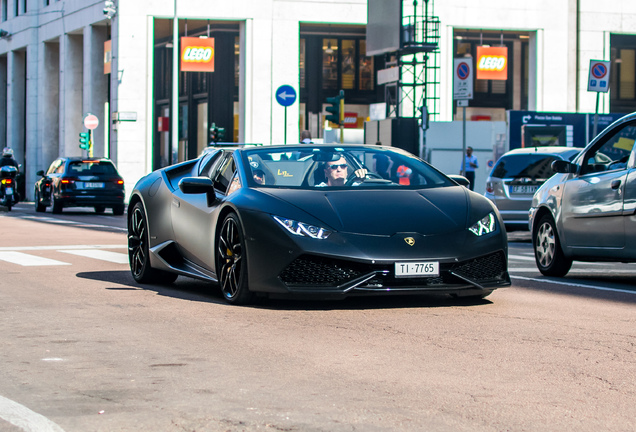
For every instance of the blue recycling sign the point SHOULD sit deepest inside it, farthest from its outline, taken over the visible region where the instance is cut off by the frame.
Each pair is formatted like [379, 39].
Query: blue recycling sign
[285, 95]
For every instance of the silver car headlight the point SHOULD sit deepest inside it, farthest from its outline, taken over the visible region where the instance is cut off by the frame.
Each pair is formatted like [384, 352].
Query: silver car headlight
[302, 229]
[484, 226]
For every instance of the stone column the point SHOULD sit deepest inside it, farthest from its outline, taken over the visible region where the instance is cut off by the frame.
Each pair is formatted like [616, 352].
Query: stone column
[16, 103]
[71, 112]
[95, 82]
[3, 101]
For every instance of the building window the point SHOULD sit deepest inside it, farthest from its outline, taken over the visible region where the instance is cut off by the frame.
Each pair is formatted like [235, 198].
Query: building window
[301, 63]
[623, 73]
[4, 10]
[366, 68]
[497, 93]
[330, 64]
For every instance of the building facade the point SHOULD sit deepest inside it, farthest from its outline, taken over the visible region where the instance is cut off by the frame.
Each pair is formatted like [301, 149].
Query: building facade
[63, 59]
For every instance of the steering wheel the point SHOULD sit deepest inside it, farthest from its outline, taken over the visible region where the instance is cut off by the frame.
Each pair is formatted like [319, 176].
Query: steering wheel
[369, 175]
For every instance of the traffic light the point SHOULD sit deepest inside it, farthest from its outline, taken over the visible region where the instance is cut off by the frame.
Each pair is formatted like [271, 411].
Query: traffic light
[336, 109]
[216, 133]
[85, 140]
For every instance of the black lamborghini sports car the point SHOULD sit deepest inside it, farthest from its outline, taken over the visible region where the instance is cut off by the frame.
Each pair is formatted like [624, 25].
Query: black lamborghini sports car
[315, 220]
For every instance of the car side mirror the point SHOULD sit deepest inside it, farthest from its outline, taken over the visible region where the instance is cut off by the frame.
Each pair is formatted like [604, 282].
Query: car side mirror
[461, 180]
[198, 185]
[563, 167]
[40, 173]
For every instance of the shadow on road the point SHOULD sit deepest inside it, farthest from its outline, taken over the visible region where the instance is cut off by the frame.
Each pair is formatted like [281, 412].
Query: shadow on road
[195, 290]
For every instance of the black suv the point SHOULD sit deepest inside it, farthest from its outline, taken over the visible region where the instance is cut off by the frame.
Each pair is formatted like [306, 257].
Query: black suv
[80, 182]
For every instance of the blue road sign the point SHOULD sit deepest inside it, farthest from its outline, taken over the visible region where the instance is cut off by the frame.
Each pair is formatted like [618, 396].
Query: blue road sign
[285, 95]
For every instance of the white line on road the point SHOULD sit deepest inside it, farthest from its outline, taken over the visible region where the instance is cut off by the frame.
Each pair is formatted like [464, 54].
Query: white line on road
[574, 284]
[115, 257]
[27, 420]
[66, 247]
[28, 260]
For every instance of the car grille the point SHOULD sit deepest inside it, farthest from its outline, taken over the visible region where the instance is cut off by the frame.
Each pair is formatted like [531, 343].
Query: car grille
[315, 271]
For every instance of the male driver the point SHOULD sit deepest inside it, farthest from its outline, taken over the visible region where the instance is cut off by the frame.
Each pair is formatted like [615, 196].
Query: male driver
[336, 173]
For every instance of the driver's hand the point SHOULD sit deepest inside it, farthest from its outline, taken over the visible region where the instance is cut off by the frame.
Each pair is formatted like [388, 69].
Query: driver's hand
[361, 173]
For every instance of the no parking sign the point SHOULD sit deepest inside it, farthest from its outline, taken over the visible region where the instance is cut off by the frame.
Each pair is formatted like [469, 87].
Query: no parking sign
[599, 76]
[463, 79]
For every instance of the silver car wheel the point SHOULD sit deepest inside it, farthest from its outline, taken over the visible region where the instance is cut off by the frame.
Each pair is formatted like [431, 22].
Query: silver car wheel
[546, 245]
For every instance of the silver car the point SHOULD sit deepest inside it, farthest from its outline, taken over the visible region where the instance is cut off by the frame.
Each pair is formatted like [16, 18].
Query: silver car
[516, 177]
[586, 212]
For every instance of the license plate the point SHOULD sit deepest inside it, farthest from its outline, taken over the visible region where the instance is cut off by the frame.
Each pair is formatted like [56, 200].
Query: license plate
[416, 269]
[8, 191]
[523, 189]
[93, 185]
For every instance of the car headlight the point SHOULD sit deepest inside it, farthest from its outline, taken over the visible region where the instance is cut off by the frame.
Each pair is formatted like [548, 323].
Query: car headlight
[302, 229]
[484, 226]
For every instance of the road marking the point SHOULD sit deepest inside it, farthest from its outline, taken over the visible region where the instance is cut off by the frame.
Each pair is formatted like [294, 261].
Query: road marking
[25, 419]
[521, 257]
[114, 257]
[574, 284]
[64, 247]
[48, 219]
[28, 260]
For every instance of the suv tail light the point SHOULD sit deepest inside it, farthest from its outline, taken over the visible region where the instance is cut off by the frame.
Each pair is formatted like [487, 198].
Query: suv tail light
[490, 187]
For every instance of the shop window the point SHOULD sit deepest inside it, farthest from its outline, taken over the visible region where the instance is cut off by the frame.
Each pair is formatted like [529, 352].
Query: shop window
[622, 73]
[301, 63]
[237, 66]
[330, 64]
[366, 68]
[490, 93]
[626, 89]
[348, 64]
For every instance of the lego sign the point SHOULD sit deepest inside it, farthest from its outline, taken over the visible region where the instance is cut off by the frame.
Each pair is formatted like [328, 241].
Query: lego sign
[197, 54]
[492, 63]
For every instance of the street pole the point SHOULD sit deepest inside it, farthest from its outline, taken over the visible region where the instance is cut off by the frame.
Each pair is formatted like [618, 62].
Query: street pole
[175, 86]
[598, 94]
[285, 127]
[463, 165]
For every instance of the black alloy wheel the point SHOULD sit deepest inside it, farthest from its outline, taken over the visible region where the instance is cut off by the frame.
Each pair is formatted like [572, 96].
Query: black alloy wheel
[139, 253]
[56, 204]
[547, 249]
[38, 202]
[231, 262]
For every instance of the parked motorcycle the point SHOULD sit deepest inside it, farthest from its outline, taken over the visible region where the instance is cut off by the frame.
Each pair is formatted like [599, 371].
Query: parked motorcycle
[8, 186]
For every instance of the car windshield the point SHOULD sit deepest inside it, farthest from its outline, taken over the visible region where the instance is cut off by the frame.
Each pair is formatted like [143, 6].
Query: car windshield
[536, 166]
[85, 168]
[311, 167]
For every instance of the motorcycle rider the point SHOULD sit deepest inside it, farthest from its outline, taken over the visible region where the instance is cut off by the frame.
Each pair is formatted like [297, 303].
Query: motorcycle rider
[7, 159]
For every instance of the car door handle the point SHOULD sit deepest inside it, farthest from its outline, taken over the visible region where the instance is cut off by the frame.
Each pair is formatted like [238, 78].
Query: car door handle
[175, 202]
[616, 184]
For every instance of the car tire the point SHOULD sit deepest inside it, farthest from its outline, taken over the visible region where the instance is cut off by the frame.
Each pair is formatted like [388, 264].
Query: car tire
[139, 251]
[38, 203]
[118, 210]
[56, 204]
[231, 263]
[100, 209]
[547, 249]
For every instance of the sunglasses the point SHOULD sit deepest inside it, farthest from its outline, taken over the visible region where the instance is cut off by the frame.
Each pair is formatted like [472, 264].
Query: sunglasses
[335, 167]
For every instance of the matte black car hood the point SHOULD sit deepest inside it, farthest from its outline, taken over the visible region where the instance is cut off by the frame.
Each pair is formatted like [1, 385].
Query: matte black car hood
[384, 212]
